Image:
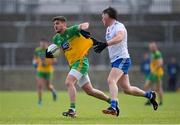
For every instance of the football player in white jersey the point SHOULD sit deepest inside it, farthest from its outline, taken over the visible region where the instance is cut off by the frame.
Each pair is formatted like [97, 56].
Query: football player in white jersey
[116, 41]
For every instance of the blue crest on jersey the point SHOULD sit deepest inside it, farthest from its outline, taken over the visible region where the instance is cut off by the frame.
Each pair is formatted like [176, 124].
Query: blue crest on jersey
[65, 46]
[108, 36]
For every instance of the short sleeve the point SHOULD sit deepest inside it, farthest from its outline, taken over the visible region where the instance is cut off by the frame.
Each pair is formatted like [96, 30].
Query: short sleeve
[158, 55]
[119, 27]
[74, 28]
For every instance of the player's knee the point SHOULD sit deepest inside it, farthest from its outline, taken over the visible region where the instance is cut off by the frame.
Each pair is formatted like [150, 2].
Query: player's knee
[69, 83]
[40, 87]
[110, 81]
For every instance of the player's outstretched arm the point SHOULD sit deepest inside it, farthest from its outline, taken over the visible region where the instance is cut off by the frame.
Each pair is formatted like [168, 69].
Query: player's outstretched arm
[88, 35]
[100, 47]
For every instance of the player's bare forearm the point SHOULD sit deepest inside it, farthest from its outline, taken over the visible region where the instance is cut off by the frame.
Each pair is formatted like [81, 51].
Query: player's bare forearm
[88, 35]
[117, 39]
[84, 26]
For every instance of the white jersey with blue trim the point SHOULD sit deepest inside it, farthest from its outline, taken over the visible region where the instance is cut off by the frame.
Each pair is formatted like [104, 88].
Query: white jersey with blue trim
[119, 50]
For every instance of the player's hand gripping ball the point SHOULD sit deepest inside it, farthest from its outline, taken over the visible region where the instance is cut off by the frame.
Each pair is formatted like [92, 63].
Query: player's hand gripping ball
[53, 51]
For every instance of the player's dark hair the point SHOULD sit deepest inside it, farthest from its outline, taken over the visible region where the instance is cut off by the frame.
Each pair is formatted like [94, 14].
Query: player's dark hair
[59, 18]
[111, 12]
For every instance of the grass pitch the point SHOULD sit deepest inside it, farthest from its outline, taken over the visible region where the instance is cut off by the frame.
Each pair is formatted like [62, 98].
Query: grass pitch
[21, 107]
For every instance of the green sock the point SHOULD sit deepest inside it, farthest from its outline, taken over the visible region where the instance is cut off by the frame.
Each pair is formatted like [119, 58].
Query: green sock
[72, 106]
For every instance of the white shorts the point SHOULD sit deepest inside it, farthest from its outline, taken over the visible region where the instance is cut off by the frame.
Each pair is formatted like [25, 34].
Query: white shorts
[82, 79]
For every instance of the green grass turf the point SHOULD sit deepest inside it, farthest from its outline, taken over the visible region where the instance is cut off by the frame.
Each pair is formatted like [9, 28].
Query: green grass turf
[21, 107]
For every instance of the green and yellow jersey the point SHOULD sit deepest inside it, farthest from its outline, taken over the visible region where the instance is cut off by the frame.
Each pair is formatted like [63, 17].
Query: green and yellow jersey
[156, 73]
[43, 64]
[75, 48]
